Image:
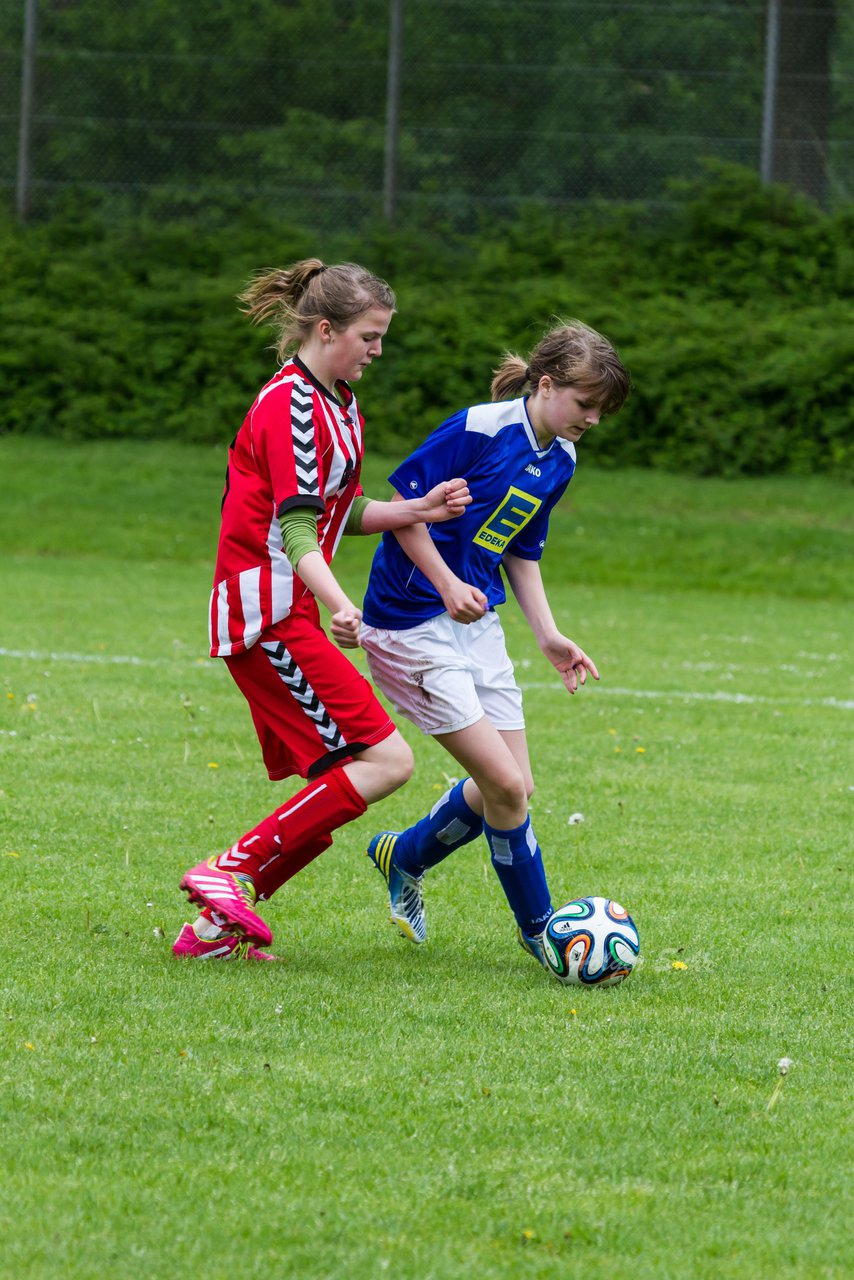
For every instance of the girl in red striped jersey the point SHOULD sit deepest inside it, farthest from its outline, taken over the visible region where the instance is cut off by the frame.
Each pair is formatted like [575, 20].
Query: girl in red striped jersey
[292, 489]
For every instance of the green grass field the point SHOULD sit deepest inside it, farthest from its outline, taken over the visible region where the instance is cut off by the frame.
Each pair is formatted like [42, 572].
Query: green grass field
[369, 1108]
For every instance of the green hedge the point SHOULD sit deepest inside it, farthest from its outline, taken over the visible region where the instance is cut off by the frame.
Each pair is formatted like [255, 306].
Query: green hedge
[731, 306]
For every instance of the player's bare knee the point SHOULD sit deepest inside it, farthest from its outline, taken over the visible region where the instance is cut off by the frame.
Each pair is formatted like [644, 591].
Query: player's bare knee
[403, 764]
[507, 789]
[516, 792]
[396, 760]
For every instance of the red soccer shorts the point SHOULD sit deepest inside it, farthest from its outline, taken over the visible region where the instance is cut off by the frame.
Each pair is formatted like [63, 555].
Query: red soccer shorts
[310, 706]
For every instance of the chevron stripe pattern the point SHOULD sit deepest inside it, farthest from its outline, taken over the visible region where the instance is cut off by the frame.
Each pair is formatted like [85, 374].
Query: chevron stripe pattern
[291, 675]
[302, 431]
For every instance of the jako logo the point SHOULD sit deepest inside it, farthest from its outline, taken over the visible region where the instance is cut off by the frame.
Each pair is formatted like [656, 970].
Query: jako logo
[532, 470]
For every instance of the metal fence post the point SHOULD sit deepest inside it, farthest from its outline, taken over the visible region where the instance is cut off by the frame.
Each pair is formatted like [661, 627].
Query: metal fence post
[769, 98]
[25, 129]
[392, 118]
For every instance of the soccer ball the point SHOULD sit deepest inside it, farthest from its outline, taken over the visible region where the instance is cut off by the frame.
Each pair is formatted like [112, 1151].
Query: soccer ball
[591, 942]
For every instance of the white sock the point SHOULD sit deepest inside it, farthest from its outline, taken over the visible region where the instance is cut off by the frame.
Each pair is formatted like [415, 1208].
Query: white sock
[207, 930]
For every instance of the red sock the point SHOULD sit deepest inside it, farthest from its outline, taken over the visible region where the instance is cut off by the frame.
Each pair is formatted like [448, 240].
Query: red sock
[278, 870]
[283, 867]
[319, 808]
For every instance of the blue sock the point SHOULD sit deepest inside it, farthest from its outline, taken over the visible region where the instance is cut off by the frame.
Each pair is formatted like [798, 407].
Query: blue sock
[518, 864]
[449, 824]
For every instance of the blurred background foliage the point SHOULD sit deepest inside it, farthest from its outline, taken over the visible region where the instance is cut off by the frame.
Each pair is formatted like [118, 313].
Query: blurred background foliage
[553, 160]
[731, 307]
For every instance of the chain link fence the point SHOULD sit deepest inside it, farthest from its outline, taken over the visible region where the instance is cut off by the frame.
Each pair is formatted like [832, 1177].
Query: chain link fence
[454, 110]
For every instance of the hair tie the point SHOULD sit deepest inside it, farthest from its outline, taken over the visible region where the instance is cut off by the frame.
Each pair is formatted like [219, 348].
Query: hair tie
[527, 373]
[317, 271]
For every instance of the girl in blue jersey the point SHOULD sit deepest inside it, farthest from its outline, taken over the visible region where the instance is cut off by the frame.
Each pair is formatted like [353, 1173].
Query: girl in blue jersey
[434, 642]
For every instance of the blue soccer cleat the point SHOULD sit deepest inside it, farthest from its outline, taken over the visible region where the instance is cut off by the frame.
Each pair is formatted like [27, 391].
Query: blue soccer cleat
[533, 944]
[406, 905]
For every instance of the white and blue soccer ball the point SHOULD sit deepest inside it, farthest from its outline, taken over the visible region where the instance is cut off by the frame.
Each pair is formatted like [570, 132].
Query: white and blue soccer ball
[591, 942]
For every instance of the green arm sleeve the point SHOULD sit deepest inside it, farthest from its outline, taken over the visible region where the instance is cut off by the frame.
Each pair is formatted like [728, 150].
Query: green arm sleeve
[354, 518]
[299, 532]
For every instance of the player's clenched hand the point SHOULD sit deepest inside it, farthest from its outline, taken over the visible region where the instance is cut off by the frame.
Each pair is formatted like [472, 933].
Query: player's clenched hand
[572, 662]
[463, 602]
[344, 626]
[445, 501]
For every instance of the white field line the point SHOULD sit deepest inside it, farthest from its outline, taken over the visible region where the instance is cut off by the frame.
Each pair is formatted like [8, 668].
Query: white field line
[100, 659]
[738, 699]
[746, 699]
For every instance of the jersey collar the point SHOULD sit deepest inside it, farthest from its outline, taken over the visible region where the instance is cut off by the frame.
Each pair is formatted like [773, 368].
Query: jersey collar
[346, 390]
[531, 433]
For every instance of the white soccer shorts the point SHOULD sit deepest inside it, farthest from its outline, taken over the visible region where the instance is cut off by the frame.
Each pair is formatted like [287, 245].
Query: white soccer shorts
[444, 675]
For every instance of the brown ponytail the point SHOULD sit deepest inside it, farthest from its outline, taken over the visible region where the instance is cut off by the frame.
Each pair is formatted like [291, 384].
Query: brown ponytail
[292, 299]
[572, 355]
[510, 378]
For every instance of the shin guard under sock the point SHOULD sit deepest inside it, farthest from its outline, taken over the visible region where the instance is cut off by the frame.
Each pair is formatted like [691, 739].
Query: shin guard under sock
[322, 805]
[283, 866]
[450, 824]
[518, 864]
[269, 879]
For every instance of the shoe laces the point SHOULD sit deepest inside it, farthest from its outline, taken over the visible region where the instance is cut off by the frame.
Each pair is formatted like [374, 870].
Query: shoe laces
[412, 897]
[246, 889]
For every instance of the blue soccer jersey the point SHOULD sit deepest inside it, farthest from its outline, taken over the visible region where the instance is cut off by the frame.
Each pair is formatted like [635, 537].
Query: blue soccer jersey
[514, 485]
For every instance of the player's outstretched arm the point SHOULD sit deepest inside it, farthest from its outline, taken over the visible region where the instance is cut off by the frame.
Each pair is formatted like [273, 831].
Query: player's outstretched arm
[566, 657]
[445, 501]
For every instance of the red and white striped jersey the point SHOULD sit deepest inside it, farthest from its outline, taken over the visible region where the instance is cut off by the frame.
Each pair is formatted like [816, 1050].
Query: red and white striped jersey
[298, 447]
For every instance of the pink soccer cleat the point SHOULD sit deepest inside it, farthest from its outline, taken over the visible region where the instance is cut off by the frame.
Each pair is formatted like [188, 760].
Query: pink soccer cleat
[225, 947]
[231, 896]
